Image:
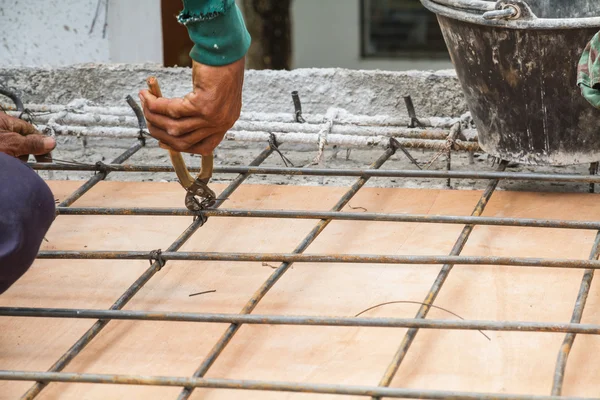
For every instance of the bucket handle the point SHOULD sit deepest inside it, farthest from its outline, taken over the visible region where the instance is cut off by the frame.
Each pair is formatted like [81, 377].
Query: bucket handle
[502, 9]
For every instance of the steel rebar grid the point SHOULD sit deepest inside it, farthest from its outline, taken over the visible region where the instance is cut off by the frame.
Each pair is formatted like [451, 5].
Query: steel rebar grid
[367, 173]
[565, 350]
[66, 358]
[304, 320]
[102, 172]
[393, 367]
[337, 215]
[281, 270]
[264, 386]
[100, 176]
[322, 258]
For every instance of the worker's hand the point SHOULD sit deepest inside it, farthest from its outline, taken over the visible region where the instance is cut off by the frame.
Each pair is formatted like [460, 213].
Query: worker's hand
[198, 122]
[20, 139]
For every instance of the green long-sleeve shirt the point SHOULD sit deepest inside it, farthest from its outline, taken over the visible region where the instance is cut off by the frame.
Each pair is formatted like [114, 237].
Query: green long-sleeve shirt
[217, 29]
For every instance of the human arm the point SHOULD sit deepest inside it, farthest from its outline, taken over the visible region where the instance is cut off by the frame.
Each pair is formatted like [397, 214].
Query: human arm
[588, 72]
[27, 204]
[20, 139]
[198, 122]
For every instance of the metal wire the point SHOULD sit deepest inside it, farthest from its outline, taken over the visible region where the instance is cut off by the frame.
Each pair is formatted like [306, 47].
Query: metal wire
[335, 215]
[280, 271]
[437, 285]
[367, 173]
[66, 358]
[94, 180]
[467, 325]
[297, 257]
[565, 350]
[263, 386]
[287, 259]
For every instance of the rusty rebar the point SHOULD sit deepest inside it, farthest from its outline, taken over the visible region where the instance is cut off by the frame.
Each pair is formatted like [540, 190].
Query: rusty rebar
[335, 215]
[565, 349]
[155, 266]
[297, 257]
[212, 383]
[14, 98]
[393, 367]
[367, 173]
[281, 270]
[100, 176]
[303, 320]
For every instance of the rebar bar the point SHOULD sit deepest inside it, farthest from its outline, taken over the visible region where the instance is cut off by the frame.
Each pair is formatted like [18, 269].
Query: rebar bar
[343, 118]
[324, 258]
[565, 350]
[337, 215]
[391, 173]
[15, 99]
[155, 266]
[354, 141]
[303, 320]
[124, 126]
[212, 383]
[100, 176]
[281, 270]
[394, 365]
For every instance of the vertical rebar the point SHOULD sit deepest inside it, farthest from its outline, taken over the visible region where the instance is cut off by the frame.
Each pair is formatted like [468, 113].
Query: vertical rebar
[565, 349]
[449, 168]
[139, 283]
[593, 171]
[15, 99]
[410, 108]
[119, 160]
[437, 285]
[297, 107]
[282, 269]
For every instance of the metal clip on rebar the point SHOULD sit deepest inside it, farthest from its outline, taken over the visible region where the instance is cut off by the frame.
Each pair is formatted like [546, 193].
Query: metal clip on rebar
[156, 257]
[194, 187]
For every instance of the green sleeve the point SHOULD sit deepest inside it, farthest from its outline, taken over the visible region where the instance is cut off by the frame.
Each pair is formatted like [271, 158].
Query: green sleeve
[588, 72]
[217, 29]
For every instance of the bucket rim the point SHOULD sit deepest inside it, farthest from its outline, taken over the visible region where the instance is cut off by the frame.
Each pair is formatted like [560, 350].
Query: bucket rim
[532, 23]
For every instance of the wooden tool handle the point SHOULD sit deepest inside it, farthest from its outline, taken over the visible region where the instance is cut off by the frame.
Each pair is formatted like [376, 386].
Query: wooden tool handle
[153, 86]
[185, 178]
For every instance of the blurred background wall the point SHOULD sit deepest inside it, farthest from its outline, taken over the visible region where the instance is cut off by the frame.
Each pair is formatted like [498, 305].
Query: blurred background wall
[287, 34]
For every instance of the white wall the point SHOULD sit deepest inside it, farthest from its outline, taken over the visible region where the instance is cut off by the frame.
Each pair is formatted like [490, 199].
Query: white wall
[57, 32]
[327, 34]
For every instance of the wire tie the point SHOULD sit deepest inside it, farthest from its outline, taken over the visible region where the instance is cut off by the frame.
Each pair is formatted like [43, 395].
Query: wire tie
[156, 256]
[275, 147]
[101, 167]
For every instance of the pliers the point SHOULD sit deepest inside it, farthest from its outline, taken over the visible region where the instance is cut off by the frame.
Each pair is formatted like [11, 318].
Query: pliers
[194, 187]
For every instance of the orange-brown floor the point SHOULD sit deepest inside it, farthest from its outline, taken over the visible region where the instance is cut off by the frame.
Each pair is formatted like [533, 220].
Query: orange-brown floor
[519, 363]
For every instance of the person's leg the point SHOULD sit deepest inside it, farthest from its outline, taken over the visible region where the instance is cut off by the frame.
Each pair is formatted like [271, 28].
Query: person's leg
[27, 210]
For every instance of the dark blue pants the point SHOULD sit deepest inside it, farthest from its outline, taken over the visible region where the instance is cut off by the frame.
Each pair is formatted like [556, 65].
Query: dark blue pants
[26, 212]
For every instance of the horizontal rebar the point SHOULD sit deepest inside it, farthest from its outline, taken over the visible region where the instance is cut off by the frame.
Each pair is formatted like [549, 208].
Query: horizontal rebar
[155, 266]
[100, 176]
[340, 216]
[280, 271]
[120, 125]
[213, 383]
[323, 258]
[303, 320]
[371, 141]
[367, 173]
[342, 118]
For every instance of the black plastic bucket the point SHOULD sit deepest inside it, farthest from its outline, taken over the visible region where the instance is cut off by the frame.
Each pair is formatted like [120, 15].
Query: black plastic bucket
[517, 64]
